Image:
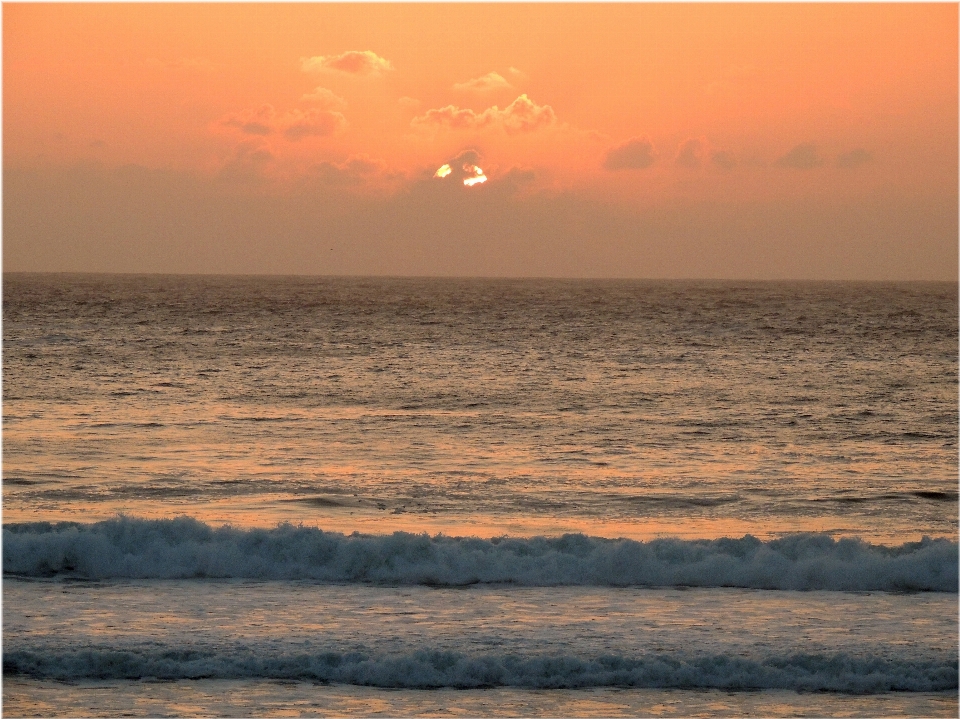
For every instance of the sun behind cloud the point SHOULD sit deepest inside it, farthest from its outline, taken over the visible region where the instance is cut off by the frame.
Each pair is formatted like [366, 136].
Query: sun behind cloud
[476, 178]
[621, 115]
[464, 168]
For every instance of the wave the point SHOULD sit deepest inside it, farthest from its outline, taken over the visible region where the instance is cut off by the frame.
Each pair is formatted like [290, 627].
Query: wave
[186, 548]
[427, 669]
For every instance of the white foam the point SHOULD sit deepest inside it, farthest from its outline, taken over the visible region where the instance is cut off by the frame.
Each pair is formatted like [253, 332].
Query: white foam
[186, 548]
[433, 669]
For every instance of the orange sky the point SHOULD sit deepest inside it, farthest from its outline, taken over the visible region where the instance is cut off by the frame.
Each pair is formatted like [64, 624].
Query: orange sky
[748, 141]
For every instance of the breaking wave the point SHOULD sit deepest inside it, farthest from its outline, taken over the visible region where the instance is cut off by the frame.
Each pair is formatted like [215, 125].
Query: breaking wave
[186, 548]
[427, 669]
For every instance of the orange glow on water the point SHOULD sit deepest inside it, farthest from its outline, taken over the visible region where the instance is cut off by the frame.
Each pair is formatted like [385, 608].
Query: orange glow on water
[267, 512]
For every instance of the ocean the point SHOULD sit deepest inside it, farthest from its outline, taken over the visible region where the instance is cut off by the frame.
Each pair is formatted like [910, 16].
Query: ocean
[276, 496]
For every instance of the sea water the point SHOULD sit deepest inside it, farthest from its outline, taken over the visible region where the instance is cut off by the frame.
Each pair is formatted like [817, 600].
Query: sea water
[269, 496]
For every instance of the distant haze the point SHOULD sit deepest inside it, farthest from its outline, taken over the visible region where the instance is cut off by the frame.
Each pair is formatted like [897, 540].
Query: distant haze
[750, 141]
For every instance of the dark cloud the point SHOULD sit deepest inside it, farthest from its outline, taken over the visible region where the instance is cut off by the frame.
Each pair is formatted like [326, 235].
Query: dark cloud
[91, 218]
[248, 164]
[252, 122]
[518, 177]
[469, 156]
[690, 153]
[802, 157]
[315, 122]
[356, 171]
[854, 158]
[635, 154]
[515, 181]
[723, 160]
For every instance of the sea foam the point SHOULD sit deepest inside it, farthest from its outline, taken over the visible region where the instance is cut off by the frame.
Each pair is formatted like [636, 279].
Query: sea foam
[425, 669]
[186, 548]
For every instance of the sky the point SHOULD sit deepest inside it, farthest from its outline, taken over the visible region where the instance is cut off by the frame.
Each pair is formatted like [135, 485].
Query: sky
[715, 141]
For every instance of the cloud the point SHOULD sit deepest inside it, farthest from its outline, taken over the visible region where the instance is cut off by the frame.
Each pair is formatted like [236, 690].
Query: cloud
[466, 170]
[519, 176]
[354, 171]
[96, 218]
[723, 159]
[467, 157]
[521, 115]
[636, 153]
[450, 116]
[802, 157]
[249, 162]
[312, 123]
[294, 125]
[489, 82]
[854, 158]
[252, 122]
[691, 152]
[352, 62]
[514, 181]
[325, 98]
[524, 115]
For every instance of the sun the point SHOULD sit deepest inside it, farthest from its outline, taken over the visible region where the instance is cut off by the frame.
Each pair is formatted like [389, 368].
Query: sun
[477, 178]
[474, 175]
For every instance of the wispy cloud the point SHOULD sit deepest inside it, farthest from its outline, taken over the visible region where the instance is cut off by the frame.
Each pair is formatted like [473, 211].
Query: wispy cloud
[294, 125]
[489, 82]
[352, 62]
[521, 115]
[325, 99]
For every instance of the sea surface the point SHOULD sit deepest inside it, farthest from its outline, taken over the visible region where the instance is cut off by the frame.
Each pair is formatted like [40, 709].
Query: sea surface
[274, 496]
